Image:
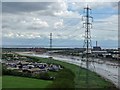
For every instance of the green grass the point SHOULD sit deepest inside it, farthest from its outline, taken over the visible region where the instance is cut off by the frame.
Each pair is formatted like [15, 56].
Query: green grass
[94, 81]
[0, 82]
[22, 82]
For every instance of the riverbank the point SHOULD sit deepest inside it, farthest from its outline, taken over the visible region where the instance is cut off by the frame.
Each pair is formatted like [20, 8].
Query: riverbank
[94, 80]
[106, 70]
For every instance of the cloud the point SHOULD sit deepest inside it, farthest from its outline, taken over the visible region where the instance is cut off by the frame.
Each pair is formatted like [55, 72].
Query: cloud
[42, 8]
[37, 23]
[58, 8]
[107, 30]
[15, 22]
[15, 7]
[77, 6]
[60, 0]
[58, 24]
[37, 20]
[22, 35]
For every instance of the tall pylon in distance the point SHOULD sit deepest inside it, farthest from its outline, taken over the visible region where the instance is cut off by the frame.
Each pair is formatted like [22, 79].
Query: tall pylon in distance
[50, 49]
[87, 25]
[87, 39]
[50, 41]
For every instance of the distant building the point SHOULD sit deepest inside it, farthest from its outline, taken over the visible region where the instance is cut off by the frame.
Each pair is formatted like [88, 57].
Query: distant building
[96, 48]
[39, 50]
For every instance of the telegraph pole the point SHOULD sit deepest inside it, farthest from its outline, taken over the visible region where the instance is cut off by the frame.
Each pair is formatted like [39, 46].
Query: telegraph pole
[87, 40]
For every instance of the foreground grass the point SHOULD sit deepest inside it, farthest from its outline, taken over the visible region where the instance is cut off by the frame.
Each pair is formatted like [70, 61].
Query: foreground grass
[94, 80]
[22, 82]
[0, 82]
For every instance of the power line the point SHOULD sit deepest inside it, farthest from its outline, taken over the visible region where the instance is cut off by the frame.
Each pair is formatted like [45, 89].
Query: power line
[105, 30]
[104, 13]
[70, 33]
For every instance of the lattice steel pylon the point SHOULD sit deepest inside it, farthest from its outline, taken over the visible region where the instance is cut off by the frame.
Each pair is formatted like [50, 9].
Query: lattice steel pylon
[50, 49]
[50, 41]
[87, 39]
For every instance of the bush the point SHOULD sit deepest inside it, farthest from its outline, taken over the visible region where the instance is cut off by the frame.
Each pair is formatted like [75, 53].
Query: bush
[64, 83]
[66, 73]
[64, 79]
[44, 76]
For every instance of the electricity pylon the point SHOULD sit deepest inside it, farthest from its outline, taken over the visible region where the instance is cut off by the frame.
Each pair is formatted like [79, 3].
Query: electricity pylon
[87, 39]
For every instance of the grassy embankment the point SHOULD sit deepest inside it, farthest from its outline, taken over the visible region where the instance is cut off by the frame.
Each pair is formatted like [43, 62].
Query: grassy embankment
[95, 81]
[0, 82]
[23, 82]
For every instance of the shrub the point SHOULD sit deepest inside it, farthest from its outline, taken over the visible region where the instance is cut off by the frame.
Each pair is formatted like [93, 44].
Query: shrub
[64, 79]
[44, 76]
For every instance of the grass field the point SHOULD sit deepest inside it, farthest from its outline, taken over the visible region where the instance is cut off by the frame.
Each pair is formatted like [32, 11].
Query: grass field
[0, 82]
[22, 82]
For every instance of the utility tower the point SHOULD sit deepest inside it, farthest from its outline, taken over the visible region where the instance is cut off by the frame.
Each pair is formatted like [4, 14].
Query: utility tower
[96, 44]
[87, 39]
[50, 48]
[50, 41]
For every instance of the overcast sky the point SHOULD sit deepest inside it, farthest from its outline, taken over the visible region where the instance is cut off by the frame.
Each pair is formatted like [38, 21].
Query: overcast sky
[30, 23]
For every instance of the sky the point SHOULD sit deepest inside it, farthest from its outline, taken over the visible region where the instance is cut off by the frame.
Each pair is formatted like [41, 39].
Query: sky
[30, 23]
